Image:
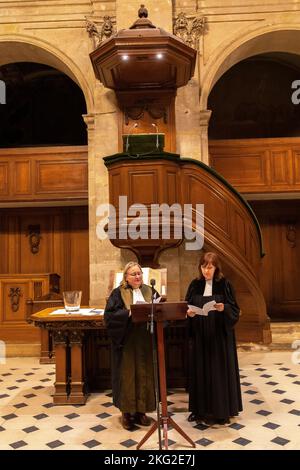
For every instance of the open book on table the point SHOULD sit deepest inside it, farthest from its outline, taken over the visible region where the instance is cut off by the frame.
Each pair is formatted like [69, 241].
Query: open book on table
[205, 309]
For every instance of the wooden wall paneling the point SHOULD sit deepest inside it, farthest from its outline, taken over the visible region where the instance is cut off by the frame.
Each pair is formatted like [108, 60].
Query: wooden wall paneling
[16, 289]
[97, 350]
[171, 187]
[201, 192]
[59, 249]
[43, 173]
[258, 165]
[239, 230]
[21, 177]
[25, 290]
[280, 223]
[115, 187]
[290, 256]
[79, 253]
[59, 176]
[4, 175]
[248, 167]
[14, 248]
[40, 261]
[143, 186]
[4, 267]
[66, 224]
[296, 166]
[280, 168]
[252, 248]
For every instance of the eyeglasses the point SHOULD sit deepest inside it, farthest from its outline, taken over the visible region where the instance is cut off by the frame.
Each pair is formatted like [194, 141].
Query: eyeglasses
[135, 274]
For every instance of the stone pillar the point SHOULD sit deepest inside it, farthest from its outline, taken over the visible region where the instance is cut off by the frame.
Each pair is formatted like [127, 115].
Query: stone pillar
[204, 121]
[188, 140]
[102, 128]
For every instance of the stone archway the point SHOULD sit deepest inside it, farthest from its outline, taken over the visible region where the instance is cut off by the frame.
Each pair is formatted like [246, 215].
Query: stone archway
[282, 38]
[20, 48]
[285, 38]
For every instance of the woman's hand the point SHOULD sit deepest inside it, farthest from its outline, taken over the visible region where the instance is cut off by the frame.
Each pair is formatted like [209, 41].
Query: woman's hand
[219, 307]
[191, 313]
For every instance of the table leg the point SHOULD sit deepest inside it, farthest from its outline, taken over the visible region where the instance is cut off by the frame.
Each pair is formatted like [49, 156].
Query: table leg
[61, 384]
[78, 394]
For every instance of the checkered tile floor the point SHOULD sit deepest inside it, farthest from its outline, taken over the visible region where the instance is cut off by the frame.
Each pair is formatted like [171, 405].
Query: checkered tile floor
[29, 420]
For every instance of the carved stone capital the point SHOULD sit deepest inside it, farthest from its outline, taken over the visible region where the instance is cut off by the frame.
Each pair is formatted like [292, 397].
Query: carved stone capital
[205, 115]
[102, 30]
[190, 28]
[89, 120]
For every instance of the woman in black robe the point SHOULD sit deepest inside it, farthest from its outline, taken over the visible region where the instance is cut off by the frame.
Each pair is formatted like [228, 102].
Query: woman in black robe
[214, 388]
[132, 364]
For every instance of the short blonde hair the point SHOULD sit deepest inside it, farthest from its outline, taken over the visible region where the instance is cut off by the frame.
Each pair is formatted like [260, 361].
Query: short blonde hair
[127, 267]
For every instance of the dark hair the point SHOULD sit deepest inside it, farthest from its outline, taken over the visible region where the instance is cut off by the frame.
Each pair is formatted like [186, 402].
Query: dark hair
[212, 258]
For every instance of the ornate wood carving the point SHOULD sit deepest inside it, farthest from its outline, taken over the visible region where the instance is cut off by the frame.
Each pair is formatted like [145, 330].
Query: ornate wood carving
[155, 110]
[34, 238]
[59, 337]
[190, 28]
[15, 293]
[75, 337]
[291, 234]
[37, 289]
[69, 324]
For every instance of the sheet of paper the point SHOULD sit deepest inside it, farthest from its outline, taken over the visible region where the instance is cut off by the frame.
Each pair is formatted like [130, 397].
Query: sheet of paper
[82, 311]
[205, 309]
[155, 301]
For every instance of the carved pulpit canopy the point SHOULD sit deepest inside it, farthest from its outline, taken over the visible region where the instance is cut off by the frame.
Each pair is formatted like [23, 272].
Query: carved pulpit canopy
[143, 58]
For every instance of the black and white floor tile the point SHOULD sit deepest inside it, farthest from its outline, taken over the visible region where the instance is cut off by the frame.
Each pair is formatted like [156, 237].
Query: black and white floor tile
[29, 420]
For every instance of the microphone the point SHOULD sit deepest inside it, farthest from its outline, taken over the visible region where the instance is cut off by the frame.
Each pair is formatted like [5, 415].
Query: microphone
[129, 133]
[152, 284]
[156, 127]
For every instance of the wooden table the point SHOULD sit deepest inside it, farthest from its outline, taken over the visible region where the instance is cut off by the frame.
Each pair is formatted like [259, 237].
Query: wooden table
[68, 332]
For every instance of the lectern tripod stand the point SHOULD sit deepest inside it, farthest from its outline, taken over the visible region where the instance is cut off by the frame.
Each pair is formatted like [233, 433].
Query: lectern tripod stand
[162, 312]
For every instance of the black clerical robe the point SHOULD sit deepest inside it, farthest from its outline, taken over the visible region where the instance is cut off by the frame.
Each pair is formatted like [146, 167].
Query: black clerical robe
[132, 364]
[214, 383]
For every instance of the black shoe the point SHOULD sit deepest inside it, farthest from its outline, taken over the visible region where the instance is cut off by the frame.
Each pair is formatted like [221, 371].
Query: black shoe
[126, 421]
[209, 421]
[200, 420]
[223, 421]
[192, 417]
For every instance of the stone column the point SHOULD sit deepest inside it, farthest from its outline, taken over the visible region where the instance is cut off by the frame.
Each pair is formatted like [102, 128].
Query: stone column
[105, 259]
[188, 139]
[204, 121]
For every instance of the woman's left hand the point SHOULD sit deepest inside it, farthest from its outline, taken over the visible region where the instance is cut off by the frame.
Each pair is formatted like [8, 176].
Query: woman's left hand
[219, 306]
